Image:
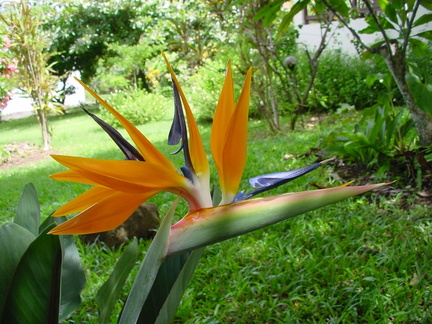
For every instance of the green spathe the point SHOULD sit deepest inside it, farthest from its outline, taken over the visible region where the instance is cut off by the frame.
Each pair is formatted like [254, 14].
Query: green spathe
[211, 225]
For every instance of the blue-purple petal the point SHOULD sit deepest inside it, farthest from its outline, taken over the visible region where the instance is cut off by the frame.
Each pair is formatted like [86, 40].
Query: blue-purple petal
[178, 131]
[128, 149]
[269, 181]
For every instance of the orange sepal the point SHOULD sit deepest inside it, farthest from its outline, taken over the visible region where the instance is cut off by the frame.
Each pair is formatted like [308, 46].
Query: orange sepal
[103, 216]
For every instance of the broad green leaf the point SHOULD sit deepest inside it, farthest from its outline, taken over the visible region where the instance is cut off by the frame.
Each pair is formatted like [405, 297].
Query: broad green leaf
[383, 4]
[167, 275]
[410, 4]
[28, 211]
[288, 18]
[72, 276]
[426, 34]
[269, 11]
[422, 92]
[110, 291]
[371, 28]
[173, 300]
[427, 4]
[426, 18]
[207, 226]
[34, 295]
[388, 9]
[418, 47]
[72, 273]
[372, 78]
[340, 6]
[14, 241]
[148, 271]
[397, 4]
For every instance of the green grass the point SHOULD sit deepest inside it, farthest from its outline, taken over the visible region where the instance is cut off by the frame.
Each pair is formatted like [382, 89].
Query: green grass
[363, 260]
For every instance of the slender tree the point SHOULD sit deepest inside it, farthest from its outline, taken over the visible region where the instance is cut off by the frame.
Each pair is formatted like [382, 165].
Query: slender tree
[28, 45]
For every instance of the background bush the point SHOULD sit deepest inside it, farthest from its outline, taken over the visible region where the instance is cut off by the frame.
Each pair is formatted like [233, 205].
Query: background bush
[341, 79]
[138, 106]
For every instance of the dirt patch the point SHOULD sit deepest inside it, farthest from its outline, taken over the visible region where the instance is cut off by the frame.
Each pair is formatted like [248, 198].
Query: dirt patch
[405, 187]
[20, 154]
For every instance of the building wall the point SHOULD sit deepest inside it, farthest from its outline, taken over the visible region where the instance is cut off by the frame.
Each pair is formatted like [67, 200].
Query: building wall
[21, 106]
[310, 34]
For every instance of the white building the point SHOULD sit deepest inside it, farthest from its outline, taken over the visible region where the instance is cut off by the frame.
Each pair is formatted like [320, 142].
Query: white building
[21, 106]
[310, 31]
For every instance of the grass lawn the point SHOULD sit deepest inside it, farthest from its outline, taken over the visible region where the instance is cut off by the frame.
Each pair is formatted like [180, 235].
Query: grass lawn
[363, 260]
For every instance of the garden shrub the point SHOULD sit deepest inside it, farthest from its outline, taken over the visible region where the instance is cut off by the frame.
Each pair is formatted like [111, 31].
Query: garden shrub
[203, 89]
[341, 79]
[383, 133]
[138, 106]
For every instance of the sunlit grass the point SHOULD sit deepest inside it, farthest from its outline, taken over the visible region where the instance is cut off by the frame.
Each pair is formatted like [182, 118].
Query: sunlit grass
[364, 260]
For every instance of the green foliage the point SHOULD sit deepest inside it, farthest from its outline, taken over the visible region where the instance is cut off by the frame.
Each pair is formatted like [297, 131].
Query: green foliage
[141, 291]
[355, 263]
[341, 79]
[138, 106]
[42, 274]
[84, 32]
[109, 293]
[204, 88]
[383, 131]
[419, 78]
[312, 269]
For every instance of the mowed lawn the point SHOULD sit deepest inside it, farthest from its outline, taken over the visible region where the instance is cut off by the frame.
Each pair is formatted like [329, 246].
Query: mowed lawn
[363, 260]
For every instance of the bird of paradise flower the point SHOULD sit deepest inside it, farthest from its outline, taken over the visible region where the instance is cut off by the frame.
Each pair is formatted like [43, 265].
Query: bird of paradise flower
[119, 187]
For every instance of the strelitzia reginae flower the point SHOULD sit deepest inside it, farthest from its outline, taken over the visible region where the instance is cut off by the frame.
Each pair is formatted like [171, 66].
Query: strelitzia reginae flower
[119, 187]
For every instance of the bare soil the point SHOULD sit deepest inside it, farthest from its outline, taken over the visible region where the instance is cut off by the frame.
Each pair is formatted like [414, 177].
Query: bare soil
[20, 154]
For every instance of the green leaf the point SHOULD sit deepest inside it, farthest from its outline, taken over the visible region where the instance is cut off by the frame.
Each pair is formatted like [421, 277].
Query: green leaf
[427, 4]
[110, 291]
[410, 4]
[397, 4]
[288, 18]
[383, 4]
[72, 272]
[72, 275]
[148, 271]
[418, 47]
[426, 34]
[173, 300]
[373, 26]
[167, 275]
[34, 294]
[422, 92]
[426, 18]
[14, 241]
[269, 11]
[340, 6]
[28, 211]
[391, 13]
[372, 78]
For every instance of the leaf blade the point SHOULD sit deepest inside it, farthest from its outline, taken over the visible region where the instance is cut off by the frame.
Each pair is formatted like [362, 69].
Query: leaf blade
[34, 295]
[108, 294]
[28, 211]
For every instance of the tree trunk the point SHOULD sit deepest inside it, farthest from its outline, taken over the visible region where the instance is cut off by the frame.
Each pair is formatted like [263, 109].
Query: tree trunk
[43, 124]
[422, 120]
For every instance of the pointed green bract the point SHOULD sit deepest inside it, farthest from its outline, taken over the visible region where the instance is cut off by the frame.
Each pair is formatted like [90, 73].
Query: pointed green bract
[211, 225]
